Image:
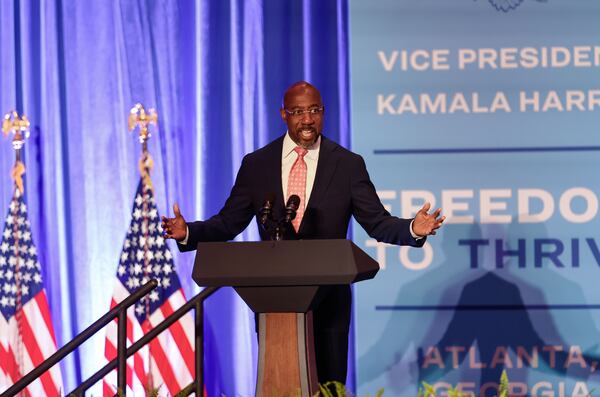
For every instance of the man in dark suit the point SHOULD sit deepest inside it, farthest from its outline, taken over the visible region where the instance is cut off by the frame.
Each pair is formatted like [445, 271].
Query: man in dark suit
[333, 185]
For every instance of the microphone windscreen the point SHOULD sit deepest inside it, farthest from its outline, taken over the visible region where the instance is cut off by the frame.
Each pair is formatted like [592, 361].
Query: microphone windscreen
[294, 201]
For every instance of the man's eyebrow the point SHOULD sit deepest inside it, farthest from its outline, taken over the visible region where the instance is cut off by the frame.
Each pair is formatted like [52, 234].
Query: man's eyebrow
[308, 107]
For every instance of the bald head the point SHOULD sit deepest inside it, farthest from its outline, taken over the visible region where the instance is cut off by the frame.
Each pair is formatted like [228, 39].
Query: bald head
[300, 88]
[302, 111]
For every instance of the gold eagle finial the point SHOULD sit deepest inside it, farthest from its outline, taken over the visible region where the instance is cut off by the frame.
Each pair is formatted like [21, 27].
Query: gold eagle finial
[19, 126]
[139, 117]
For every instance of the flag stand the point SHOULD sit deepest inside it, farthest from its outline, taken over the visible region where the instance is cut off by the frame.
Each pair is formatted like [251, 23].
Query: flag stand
[138, 117]
[19, 126]
[169, 360]
[23, 301]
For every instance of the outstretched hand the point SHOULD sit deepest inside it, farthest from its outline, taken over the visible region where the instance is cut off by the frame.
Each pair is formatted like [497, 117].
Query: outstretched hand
[426, 224]
[174, 228]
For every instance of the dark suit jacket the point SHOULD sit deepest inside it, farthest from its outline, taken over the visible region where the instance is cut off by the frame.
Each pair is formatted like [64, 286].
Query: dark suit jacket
[341, 189]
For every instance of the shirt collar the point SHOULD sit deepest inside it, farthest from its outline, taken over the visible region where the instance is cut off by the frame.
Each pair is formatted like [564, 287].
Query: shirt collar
[289, 145]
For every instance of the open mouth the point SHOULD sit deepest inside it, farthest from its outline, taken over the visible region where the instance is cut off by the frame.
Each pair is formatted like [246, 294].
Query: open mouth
[307, 133]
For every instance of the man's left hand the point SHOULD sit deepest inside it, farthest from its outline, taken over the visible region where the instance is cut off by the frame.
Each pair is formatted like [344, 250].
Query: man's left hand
[426, 224]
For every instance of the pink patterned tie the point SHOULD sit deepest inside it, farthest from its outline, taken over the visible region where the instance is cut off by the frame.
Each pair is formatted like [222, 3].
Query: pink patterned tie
[297, 184]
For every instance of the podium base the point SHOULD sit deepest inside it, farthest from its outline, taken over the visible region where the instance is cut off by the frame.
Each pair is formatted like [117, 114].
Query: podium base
[286, 359]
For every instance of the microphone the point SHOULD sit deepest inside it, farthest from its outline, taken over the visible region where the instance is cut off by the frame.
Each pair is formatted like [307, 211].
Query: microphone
[291, 207]
[267, 208]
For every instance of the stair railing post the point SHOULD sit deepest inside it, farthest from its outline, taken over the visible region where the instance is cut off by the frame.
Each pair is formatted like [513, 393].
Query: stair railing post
[199, 347]
[122, 352]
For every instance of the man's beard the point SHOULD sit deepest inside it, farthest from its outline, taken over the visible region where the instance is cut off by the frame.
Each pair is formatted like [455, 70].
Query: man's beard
[311, 133]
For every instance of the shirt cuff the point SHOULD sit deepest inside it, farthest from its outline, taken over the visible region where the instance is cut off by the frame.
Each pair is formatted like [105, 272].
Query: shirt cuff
[187, 235]
[415, 236]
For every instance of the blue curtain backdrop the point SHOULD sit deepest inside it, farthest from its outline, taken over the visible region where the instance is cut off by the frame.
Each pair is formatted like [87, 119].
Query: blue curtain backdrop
[215, 71]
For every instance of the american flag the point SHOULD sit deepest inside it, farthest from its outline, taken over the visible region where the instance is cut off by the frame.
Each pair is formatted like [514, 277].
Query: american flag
[167, 363]
[26, 332]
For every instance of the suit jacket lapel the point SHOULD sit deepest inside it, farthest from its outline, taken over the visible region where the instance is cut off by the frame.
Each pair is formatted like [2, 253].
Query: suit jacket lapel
[275, 167]
[325, 170]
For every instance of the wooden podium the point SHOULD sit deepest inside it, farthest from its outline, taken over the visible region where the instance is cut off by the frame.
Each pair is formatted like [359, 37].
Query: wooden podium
[283, 281]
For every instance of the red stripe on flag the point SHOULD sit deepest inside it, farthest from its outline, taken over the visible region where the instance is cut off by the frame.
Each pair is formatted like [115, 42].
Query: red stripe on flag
[162, 362]
[110, 352]
[129, 374]
[138, 363]
[30, 343]
[129, 329]
[42, 303]
[138, 360]
[108, 390]
[8, 363]
[180, 337]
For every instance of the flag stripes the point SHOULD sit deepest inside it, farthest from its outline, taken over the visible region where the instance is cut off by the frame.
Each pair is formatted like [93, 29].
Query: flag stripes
[26, 333]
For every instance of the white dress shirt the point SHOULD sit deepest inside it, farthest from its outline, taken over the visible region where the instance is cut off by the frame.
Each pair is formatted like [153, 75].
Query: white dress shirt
[288, 158]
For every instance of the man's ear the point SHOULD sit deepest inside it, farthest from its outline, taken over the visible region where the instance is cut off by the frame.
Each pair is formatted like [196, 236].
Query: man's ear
[283, 114]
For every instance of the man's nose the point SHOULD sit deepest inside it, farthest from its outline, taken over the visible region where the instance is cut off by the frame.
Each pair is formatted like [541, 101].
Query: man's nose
[307, 118]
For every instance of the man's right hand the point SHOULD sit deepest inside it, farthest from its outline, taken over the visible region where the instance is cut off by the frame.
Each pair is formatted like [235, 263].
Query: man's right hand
[174, 228]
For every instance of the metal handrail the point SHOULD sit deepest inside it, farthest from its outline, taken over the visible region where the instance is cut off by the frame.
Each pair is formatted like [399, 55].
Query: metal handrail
[195, 303]
[120, 311]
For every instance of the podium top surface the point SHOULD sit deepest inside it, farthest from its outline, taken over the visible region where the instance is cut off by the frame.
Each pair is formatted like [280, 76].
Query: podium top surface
[281, 263]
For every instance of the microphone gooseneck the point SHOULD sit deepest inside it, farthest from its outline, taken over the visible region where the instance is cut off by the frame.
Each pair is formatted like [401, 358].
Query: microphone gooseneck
[266, 211]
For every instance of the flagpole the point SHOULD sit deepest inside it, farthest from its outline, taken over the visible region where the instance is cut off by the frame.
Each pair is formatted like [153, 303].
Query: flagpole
[19, 127]
[139, 117]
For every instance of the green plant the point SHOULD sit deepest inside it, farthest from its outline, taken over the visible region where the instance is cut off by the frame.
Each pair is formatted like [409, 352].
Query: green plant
[503, 387]
[153, 391]
[429, 391]
[337, 389]
[426, 391]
